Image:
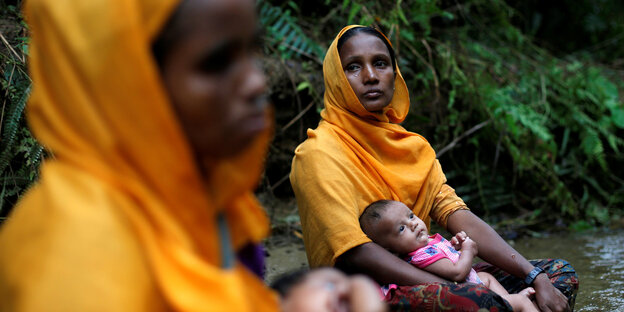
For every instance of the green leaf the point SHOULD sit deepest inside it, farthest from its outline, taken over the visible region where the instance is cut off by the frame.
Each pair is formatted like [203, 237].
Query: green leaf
[580, 226]
[617, 115]
[448, 15]
[408, 35]
[402, 15]
[451, 99]
[355, 9]
[303, 85]
[293, 5]
[345, 3]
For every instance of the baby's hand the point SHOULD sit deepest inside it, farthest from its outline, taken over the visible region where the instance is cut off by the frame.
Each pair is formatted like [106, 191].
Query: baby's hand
[469, 245]
[458, 240]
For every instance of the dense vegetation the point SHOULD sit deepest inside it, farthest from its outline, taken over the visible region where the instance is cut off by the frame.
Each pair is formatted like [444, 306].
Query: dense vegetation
[528, 128]
[522, 101]
[20, 154]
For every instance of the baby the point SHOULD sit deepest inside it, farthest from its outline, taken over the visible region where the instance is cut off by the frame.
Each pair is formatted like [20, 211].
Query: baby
[327, 289]
[393, 226]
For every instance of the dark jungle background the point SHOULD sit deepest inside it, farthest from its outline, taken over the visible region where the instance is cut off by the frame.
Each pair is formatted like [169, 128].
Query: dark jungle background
[522, 100]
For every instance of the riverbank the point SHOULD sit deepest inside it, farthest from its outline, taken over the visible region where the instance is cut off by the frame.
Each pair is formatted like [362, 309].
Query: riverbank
[597, 255]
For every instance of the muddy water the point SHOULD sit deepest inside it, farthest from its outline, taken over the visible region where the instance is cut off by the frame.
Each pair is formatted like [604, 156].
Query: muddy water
[284, 254]
[598, 258]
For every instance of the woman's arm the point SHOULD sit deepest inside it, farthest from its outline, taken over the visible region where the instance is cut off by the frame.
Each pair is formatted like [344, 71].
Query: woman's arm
[493, 249]
[383, 266]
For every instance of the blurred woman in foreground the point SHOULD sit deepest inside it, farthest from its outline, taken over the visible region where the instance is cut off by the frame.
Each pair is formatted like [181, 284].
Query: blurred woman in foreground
[155, 113]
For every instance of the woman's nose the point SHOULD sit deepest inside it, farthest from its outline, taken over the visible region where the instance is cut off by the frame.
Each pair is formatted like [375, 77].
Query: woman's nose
[253, 85]
[369, 74]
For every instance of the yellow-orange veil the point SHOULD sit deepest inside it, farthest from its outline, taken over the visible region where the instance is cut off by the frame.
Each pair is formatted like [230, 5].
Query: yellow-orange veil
[99, 104]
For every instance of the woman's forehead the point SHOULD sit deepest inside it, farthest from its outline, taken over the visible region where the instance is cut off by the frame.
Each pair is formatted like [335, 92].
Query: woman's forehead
[363, 43]
[217, 16]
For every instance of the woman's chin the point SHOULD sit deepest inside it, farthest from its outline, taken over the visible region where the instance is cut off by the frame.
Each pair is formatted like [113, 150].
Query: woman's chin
[230, 148]
[375, 106]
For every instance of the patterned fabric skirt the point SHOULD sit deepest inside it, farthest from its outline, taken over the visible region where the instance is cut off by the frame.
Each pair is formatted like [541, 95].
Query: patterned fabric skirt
[472, 297]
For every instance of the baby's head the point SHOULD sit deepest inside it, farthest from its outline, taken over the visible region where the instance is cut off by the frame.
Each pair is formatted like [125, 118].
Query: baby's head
[327, 289]
[393, 226]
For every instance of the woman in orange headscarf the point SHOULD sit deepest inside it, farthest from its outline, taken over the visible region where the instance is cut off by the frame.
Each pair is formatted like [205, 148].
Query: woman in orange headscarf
[359, 154]
[148, 198]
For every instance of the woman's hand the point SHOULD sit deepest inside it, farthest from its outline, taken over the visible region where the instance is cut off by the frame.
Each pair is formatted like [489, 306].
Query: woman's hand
[493, 249]
[548, 297]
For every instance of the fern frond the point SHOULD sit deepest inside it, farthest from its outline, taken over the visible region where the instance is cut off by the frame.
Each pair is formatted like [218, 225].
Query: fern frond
[10, 128]
[283, 30]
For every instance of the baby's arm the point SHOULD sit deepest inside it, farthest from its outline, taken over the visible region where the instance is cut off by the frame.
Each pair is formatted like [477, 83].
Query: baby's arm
[456, 271]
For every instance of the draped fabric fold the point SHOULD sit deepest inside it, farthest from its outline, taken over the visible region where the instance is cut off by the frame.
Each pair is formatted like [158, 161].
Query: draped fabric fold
[353, 158]
[122, 171]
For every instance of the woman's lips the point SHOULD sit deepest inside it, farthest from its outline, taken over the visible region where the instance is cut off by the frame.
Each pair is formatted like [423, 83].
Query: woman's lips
[255, 123]
[373, 94]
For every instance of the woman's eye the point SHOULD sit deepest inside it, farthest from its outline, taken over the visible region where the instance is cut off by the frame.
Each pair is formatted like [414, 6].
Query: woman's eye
[401, 228]
[218, 60]
[381, 64]
[352, 67]
[214, 67]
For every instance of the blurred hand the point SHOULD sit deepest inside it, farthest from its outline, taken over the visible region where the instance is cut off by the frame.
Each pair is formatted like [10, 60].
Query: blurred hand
[365, 295]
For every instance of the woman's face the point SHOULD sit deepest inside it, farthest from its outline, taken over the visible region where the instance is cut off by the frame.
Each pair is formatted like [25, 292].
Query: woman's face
[366, 63]
[212, 76]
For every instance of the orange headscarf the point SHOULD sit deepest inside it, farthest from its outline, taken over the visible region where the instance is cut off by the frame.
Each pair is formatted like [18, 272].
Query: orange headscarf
[353, 158]
[122, 211]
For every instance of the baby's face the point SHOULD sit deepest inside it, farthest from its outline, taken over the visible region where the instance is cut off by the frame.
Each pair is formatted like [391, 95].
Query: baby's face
[399, 230]
[329, 290]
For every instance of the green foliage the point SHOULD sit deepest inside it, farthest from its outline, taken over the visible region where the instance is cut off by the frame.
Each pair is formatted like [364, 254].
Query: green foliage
[20, 154]
[551, 151]
[525, 131]
[283, 31]
[592, 26]
[554, 120]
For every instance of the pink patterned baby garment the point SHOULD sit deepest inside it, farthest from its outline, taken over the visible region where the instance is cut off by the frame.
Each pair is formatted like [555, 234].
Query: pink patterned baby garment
[438, 248]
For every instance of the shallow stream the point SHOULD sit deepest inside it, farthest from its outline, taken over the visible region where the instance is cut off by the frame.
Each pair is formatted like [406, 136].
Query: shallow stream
[598, 258]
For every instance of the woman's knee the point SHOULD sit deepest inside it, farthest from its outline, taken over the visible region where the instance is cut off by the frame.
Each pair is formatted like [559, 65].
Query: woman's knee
[561, 271]
[563, 276]
[560, 266]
